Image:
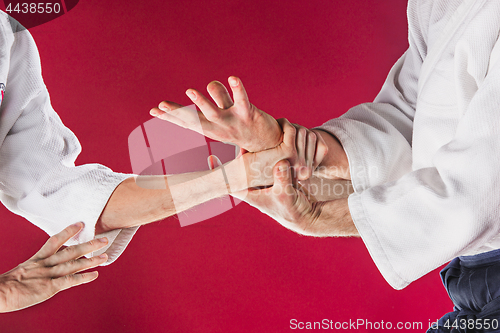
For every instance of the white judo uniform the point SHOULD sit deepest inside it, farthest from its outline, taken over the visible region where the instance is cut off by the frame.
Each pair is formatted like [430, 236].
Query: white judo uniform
[38, 176]
[425, 156]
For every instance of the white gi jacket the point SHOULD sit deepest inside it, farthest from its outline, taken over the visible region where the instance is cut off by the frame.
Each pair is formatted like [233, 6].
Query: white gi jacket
[38, 176]
[425, 156]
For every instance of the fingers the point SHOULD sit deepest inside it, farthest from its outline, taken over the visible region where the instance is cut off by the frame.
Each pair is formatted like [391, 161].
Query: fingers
[187, 117]
[300, 142]
[309, 155]
[281, 191]
[219, 94]
[306, 145]
[164, 111]
[55, 242]
[289, 132]
[65, 264]
[74, 266]
[155, 112]
[75, 252]
[69, 281]
[282, 186]
[164, 107]
[210, 110]
[239, 93]
[311, 149]
[321, 151]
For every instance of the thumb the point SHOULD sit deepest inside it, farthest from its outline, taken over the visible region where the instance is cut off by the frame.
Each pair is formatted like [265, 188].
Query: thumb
[282, 179]
[282, 187]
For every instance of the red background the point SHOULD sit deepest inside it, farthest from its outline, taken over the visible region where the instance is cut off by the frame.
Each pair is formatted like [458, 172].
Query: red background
[106, 63]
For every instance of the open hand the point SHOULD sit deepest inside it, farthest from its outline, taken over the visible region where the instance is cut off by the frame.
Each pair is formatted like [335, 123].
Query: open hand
[50, 271]
[238, 122]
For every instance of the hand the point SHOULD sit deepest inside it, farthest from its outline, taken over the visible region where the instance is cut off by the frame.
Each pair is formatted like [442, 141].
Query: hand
[299, 146]
[238, 122]
[310, 151]
[335, 164]
[292, 209]
[49, 271]
[283, 202]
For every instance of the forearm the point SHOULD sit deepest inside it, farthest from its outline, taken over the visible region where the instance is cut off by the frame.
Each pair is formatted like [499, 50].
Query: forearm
[325, 189]
[141, 200]
[330, 207]
[333, 219]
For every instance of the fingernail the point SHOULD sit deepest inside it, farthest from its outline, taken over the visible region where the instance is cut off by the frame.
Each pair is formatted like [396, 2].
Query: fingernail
[93, 275]
[233, 81]
[191, 94]
[103, 240]
[103, 256]
[164, 108]
[153, 113]
[78, 224]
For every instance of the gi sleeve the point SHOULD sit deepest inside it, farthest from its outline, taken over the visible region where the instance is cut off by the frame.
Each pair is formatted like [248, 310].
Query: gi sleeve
[429, 216]
[377, 136]
[38, 176]
[413, 221]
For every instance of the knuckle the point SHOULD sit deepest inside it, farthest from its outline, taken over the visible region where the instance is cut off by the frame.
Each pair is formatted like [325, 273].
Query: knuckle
[66, 281]
[70, 250]
[19, 274]
[55, 271]
[71, 263]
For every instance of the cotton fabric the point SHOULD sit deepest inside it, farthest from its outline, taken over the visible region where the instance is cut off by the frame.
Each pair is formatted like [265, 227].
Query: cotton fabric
[424, 156]
[38, 176]
[474, 287]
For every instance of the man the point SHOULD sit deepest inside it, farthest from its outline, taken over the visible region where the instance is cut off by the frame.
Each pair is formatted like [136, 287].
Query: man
[39, 181]
[422, 159]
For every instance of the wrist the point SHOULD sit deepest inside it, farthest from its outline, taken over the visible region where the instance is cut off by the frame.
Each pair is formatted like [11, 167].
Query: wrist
[236, 173]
